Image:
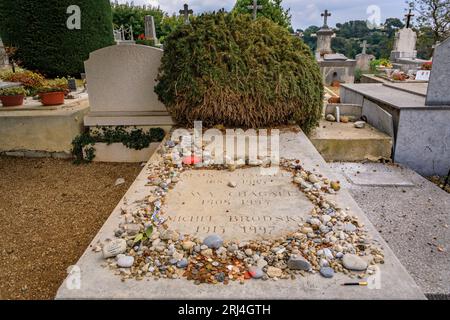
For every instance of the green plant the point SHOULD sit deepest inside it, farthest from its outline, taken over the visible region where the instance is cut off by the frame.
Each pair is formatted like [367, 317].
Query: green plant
[55, 85]
[231, 70]
[271, 9]
[39, 31]
[14, 91]
[142, 237]
[30, 80]
[136, 139]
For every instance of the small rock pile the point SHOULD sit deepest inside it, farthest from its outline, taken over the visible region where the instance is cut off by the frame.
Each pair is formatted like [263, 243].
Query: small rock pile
[331, 240]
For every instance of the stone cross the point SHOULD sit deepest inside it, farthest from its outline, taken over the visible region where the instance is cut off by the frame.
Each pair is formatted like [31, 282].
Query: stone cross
[150, 31]
[186, 12]
[364, 46]
[325, 16]
[408, 16]
[255, 7]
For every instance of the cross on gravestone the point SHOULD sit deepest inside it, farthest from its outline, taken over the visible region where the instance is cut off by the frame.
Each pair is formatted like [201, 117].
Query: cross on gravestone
[364, 47]
[255, 7]
[325, 16]
[186, 12]
[408, 16]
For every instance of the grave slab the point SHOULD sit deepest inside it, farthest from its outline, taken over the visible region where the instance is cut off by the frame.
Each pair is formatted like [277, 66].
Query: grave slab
[98, 282]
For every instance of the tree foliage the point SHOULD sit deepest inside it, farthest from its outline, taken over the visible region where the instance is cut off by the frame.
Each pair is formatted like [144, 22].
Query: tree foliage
[229, 69]
[44, 42]
[433, 15]
[130, 14]
[271, 9]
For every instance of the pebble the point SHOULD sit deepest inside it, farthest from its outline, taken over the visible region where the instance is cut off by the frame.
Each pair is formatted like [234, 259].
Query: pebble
[220, 277]
[188, 245]
[232, 184]
[335, 185]
[330, 118]
[274, 272]
[213, 241]
[207, 252]
[248, 252]
[313, 178]
[114, 248]
[326, 272]
[132, 229]
[327, 253]
[169, 235]
[315, 222]
[124, 261]
[256, 272]
[297, 262]
[183, 263]
[324, 263]
[325, 218]
[261, 263]
[353, 262]
[360, 124]
[349, 227]
[344, 119]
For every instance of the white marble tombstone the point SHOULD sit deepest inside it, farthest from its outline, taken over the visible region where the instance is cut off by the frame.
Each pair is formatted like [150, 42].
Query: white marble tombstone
[120, 81]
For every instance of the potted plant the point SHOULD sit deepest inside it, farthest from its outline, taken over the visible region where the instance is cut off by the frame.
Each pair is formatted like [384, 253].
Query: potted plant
[11, 97]
[53, 92]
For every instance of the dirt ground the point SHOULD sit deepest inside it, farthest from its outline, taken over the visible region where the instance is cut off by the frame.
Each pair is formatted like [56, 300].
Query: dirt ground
[49, 212]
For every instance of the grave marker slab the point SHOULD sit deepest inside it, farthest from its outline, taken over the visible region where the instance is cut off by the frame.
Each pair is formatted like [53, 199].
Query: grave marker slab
[98, 282]
[244, 212]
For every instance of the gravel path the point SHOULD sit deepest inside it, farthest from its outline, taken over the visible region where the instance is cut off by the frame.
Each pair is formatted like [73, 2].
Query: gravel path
[49, 212]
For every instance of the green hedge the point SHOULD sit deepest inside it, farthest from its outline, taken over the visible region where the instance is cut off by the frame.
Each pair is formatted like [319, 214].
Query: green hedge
[228, 69]
[38, 29]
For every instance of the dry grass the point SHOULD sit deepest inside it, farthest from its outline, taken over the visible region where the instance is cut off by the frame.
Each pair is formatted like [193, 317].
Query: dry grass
[49, 212]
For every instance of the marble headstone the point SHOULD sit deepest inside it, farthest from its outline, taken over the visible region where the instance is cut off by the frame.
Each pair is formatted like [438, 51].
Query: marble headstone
[150, 30]
[404, 44]
[439, 84]
[3, 56]
[120, 82]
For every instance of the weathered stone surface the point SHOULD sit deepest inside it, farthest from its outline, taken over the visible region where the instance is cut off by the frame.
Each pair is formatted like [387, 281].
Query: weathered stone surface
[260, 205]
[114, 248]
[100, 282]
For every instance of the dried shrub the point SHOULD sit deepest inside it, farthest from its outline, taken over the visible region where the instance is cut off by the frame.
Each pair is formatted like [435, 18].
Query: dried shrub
[228, 69]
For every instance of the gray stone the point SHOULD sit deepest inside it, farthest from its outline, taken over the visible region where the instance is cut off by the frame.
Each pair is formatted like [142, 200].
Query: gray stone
[124, 261]
[132, 229]
[183, 263]
[349, 227]
[330, 118]
[438, 93]
[327, 272]
[353, 262]
[213, 241]
[114, 248]
[297, 262]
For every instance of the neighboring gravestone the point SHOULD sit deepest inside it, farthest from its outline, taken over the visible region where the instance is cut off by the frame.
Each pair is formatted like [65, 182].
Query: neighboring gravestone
[404, 44]
[439, 84]
[120, 81]
[150, 30]
[363, 59]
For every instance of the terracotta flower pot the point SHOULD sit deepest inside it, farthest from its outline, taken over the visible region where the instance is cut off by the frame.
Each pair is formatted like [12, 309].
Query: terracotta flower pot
[52, 98]
[12, 101]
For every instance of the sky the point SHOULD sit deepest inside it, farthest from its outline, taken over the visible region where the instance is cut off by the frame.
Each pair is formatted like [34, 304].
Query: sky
[304, 12]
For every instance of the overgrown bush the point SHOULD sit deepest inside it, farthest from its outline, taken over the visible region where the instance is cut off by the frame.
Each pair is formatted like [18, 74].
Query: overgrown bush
[38, 29]
[228, 69]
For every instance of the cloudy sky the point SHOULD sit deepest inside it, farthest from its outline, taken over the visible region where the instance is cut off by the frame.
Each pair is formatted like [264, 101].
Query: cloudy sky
[304, 12]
